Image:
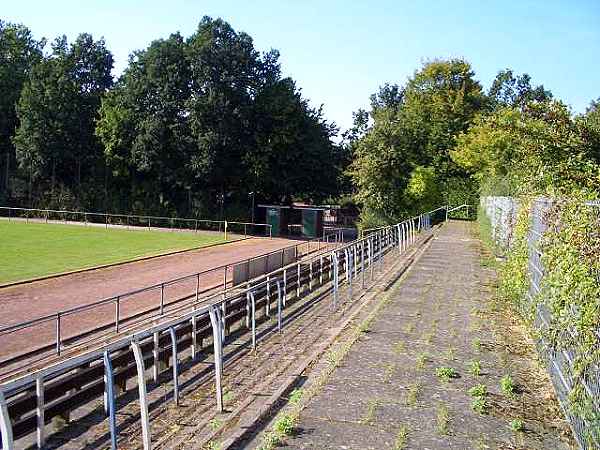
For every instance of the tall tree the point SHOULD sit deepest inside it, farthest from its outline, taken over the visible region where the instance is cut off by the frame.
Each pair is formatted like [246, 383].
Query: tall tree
[408, 144]
[19, 52]
[516, 91]
[57, 111]
[144, 125]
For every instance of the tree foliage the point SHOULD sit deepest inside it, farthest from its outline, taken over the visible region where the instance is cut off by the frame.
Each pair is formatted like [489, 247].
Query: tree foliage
[55, 142]
[413, 129]
[19, 52]
[543, 150]
[192, 123]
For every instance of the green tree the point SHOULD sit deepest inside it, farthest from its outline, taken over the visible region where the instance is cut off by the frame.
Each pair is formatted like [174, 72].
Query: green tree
[413, 130]
[19, 52]
[516, 91]
[539, 151]
[55, 142]
[144, 127]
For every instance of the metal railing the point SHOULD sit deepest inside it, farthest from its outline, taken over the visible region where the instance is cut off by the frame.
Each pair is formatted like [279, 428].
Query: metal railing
[75, 326]
[502, 212]
[24, 408]
[130, 221]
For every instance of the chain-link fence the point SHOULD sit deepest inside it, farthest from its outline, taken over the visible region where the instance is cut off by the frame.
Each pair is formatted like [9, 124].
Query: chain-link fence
[502, 214]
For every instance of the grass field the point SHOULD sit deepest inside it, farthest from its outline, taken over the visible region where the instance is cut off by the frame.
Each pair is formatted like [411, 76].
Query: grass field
[37, 249]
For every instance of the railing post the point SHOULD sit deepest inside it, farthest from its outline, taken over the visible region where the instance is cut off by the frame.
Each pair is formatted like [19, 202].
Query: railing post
[58, 333]
[279, 300]
[298, 283]
[156, 356]
[310, 278]
[371, 252]
[268, 302]
[362, 262]
[162, 298]
[175, 365]
[197, 287]
[110, 399]
[194, 337]
[349, 267]
[334, 260]
[253, 305]
[284, 286]
[321, 270]
[139, 362]
[39, 412]
[215, 321]
[5, 425]
[117, 308]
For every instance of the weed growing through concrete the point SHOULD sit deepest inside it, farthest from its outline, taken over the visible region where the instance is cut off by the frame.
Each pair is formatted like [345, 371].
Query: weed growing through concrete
[479, 390]
[446, 373]
[295, 396]
[442, 418]
[479, 403]
[401, 438]
[422, 359]
[369, 417]
[476, 344]
[390, 368]
[285, 425]
[399, 348]
[475, 368]
[212, 445]
[227, 397]
[507, 385]
[428, 337]
[517, 425]
[215, 423]
[414, 391]
[450, 354]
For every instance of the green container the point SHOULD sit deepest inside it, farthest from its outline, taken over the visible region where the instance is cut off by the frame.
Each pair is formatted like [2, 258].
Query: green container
[310, 223]
[274, 219]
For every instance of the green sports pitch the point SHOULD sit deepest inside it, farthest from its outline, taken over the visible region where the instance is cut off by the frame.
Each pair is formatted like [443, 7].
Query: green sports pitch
[30, 250]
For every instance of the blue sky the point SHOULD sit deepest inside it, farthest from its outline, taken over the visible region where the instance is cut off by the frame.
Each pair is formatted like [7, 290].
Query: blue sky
[341, 51]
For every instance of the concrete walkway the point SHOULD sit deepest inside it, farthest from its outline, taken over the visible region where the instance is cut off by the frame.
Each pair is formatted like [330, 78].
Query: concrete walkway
[387, 394]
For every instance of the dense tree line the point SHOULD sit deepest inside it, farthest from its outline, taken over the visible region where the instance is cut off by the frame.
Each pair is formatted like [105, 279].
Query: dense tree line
[441, 139]
[192, 123]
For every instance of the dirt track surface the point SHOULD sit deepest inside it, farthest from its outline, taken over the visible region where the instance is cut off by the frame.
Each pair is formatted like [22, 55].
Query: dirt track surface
[41, 298]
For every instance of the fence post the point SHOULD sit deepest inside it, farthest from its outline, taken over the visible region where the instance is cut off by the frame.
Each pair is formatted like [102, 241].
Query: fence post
[110, 399]
[215, 321]
[139, 362]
